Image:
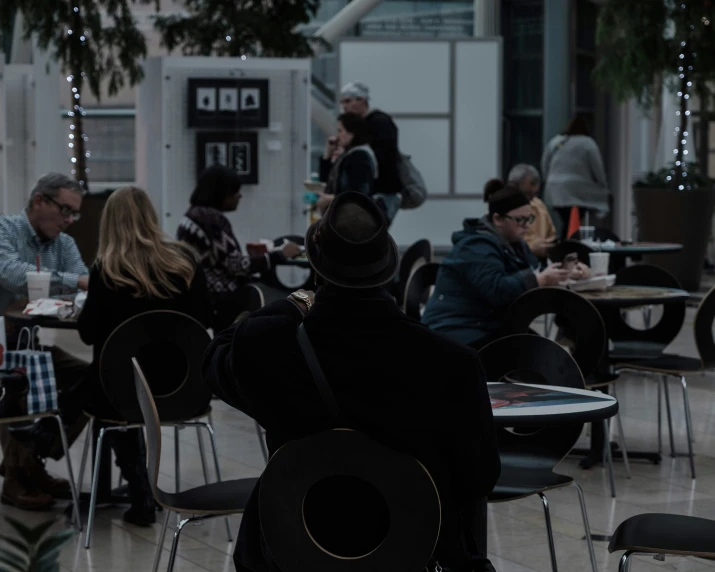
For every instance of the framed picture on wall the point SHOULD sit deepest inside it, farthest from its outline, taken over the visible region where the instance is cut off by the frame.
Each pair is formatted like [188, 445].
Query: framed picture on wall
[238, 151]
[228, 103]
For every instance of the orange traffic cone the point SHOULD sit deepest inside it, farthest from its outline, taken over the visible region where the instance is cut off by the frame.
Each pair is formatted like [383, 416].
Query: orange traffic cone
[574, 222]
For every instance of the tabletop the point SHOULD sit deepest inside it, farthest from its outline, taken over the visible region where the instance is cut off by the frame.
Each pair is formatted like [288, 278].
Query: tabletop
[14, 314]
[622, 295]
[639, 247]
[300, 261]
[534, 404]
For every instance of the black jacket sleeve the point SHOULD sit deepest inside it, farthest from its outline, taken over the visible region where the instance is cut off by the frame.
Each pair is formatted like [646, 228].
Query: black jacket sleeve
[199, 308]
[356, 174]
[221, 366]
[91, 312]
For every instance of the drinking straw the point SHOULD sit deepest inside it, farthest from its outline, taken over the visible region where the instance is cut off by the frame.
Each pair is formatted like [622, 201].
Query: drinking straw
[37, 262]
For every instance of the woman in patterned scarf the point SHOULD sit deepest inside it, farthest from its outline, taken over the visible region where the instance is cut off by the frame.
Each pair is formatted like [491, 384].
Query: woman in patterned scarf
[206, 228]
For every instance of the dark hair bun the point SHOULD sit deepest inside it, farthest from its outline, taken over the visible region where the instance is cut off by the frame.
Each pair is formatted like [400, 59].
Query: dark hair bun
[491, 187]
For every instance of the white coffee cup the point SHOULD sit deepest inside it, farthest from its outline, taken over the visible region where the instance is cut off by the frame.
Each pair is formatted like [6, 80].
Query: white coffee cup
[599, 263]
[38, 285]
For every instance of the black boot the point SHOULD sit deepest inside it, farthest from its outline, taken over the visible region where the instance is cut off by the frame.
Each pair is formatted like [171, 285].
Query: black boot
[131, 458]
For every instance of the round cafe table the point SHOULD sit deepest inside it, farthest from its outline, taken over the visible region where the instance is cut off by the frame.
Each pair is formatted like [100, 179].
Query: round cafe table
[628, 296]
[620, 252]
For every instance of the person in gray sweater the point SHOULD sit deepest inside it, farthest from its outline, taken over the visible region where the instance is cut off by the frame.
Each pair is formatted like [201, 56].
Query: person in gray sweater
[574, 175]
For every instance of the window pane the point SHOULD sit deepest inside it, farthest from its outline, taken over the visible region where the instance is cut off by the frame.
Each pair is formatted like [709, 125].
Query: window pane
[111, 148]
[522, 142]
[523, 32]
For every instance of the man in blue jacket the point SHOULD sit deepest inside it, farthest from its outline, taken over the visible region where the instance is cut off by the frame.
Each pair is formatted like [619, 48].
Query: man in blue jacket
[488, 268]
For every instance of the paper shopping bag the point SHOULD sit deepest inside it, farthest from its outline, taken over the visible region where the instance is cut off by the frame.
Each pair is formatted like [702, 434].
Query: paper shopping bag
[39, 369]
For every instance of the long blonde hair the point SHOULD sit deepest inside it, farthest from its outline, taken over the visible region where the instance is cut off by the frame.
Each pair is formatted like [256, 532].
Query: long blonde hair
[134, 252]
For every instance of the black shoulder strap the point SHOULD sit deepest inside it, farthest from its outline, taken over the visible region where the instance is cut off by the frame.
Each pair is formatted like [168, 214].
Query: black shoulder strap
[318, 376]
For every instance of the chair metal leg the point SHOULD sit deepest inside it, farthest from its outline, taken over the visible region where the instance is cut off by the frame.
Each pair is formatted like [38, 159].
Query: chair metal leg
[210, 430]
[162, 536]
[549, 532]
[70, 474]
[660, 418]
[688, 425]
[200, 440]
[624, 564]
[175, 544]
[609, 459]
[261, 441]
[668, 413]
[586, 526]
[95, 484]
[85, 450]
[177, 479]
[622, 438]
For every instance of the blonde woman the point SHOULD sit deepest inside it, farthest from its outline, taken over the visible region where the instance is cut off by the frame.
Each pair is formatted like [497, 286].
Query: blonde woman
[138, 269]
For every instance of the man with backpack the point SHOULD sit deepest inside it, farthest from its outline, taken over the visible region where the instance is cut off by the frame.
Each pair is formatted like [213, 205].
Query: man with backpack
[355, 98]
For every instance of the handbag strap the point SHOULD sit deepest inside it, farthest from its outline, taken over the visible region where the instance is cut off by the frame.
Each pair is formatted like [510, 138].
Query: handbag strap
[318, 376]
[551, 157]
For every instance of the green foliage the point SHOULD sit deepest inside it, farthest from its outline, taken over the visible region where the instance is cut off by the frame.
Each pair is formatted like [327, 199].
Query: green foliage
[32, 549]
[660, 179]
[639, 41]
[112, 48]
[269, 28]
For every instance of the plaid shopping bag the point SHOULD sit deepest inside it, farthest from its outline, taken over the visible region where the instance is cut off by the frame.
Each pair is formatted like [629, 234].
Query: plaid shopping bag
[40, 371]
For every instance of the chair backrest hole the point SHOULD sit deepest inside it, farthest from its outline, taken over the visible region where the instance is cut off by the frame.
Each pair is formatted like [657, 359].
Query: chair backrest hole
[346, 516]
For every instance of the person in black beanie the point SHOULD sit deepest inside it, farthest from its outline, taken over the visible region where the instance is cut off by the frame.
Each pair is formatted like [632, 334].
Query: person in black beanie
[488, 268]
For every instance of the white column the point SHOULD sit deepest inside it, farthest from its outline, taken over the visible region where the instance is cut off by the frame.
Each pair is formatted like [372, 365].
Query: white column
[485, 18]
[619, 177]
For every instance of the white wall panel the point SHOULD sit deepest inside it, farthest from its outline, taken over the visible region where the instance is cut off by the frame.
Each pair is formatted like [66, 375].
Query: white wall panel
[404, 77]
[427, 142]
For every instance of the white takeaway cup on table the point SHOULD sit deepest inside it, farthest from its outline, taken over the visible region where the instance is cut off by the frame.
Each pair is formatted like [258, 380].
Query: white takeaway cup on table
[599, 263]
[38, 285]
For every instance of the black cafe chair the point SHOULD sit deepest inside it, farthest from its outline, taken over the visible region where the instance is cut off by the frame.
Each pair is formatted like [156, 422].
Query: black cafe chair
[418, 289]
[416, 255]
[289, 277]
[663, 534]
[528, 458]
[170, 345]
[222, 498]
[582, 323]
[679, 366]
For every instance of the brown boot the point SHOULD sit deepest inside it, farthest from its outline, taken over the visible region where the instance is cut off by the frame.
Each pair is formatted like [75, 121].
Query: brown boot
[43, 481]
[15, 493]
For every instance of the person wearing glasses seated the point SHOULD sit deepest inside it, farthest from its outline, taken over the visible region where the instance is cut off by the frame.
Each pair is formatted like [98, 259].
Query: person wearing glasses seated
[39, 231]
[489, 267]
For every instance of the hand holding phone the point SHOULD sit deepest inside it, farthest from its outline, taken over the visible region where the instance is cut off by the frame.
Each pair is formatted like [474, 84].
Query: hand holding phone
[569, 261]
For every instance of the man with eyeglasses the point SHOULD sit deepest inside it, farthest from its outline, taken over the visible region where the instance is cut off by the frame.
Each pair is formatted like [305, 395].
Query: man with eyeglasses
[39, 231]
[489, 267]
[541, 234]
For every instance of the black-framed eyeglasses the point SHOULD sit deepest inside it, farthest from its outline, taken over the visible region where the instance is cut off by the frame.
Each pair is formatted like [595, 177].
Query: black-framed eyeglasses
[521, 220]
[65, 210]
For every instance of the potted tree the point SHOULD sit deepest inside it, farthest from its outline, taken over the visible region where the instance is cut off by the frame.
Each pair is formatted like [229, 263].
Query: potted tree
[643, 47]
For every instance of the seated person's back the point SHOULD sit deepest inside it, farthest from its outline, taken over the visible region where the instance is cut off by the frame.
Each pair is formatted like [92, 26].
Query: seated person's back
[138, 269]
[402, 385]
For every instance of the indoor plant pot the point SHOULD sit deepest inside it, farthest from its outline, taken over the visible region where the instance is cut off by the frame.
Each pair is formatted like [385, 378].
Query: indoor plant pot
[683, 217]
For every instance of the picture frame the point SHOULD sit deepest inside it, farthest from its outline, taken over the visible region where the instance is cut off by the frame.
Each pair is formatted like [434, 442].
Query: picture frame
[234, 103]
[236, 150]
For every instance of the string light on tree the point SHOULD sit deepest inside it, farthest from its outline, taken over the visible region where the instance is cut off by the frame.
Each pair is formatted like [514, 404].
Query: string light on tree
[77, 137]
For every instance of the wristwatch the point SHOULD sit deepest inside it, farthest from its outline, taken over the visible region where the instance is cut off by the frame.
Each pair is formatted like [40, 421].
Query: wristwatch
[303, 297]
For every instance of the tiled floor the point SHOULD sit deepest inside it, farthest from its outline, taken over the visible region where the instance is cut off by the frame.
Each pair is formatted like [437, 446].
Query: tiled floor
[517, 537]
